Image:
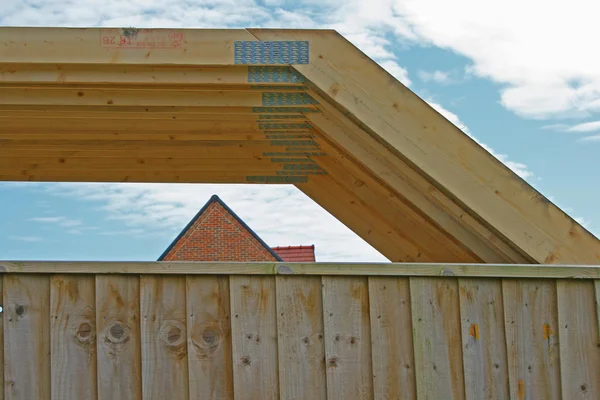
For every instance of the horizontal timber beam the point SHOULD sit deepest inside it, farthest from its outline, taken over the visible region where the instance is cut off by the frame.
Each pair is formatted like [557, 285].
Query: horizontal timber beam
[161, 176]
[150, 125]
[124, 74]
[183, 112]
[127, 74]
[445, 271]
[115, 96]
[216, 165]
[106, 136]
[103, 46]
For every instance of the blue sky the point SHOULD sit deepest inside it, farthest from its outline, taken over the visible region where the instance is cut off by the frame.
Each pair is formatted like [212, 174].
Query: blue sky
[520, 77]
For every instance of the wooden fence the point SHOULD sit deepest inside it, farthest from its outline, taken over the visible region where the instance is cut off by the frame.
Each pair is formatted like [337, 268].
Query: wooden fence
[314, 331]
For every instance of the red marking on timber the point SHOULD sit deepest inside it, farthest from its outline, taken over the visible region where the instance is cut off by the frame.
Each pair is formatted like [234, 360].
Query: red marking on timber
[131, 38]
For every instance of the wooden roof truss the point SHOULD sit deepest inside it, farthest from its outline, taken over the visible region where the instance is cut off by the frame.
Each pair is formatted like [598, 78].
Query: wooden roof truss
[301, 107]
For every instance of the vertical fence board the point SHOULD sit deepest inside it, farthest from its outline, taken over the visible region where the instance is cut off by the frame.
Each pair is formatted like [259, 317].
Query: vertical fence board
[254, 337]
[209, 337]
[484, 342]
[347, 338]
[27, 337]
[597, 283]
[579, 346]
[531, 325]
[118, 337]
[437, 338]
[391, 338]
[163, 337]
[2, 341]
[73, 336]
[300, 335]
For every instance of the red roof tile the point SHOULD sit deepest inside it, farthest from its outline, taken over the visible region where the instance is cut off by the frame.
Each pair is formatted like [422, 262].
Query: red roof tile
[296, 253]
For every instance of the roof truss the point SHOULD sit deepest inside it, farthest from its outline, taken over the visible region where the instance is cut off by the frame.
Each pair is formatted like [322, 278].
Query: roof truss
[270, 106]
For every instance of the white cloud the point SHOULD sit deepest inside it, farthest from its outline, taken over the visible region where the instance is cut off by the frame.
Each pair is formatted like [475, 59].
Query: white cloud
[280, 215]
[543, 53]
[62, 221]
[555, 127]
[594, 138]
[435, 76]
[518, 168]
[586, 127]
[26, 238]
[46, 219]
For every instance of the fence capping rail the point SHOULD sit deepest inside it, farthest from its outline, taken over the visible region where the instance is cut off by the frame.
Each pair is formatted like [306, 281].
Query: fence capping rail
[322, 268]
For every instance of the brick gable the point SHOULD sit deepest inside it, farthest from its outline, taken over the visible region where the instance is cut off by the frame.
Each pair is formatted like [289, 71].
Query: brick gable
[217, 234]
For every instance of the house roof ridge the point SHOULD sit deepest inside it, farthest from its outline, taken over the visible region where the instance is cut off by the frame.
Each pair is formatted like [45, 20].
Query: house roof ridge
[216, 199]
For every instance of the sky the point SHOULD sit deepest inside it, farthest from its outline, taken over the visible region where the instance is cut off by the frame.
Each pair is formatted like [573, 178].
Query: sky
[521, 78]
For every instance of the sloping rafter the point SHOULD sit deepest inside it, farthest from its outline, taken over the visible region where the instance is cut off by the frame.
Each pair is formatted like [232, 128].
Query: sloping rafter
[301, 107]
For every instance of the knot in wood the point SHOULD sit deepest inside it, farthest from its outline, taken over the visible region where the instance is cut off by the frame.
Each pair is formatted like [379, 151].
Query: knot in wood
[84, 332]
[246, 360]
[172, 332]
[210, 337]
[333, 362]
[20, 310]
[206, 338]
[117, 332]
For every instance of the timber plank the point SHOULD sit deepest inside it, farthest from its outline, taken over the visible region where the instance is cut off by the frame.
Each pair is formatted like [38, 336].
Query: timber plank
[120, 74]
[345, 206]
[134, 122]
[141, 164]
[597, 284]
[143, 176]
[347, 338]
[26, 310]
[135, 144]
[484, 343]
[391, 346]
[254, 337]
[73, 336]
[163, 337]
[532, 341]
[215, 153]
[87, 46]
[118, 337]
[421, 193]
[18, 112]
[120, 97]
[437, 338]
[301, 348]
[591, 272]
[433, 243]
[579, 345]
[209, 337]
[112, 135]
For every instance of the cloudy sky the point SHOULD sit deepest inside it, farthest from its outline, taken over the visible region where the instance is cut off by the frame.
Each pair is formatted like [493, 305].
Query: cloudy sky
[522, 78]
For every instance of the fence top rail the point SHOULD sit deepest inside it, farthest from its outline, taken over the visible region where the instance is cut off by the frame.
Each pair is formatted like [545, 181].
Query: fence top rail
[282, 268]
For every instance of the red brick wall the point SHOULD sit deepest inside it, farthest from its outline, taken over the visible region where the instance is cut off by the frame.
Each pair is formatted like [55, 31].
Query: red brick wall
[217, 236]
